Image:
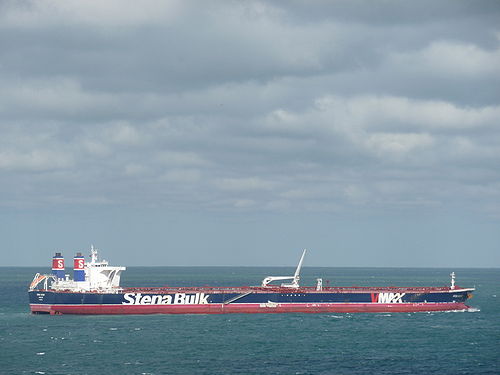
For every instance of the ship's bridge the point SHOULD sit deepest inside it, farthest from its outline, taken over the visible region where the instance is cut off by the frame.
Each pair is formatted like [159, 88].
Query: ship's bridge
[99, 275]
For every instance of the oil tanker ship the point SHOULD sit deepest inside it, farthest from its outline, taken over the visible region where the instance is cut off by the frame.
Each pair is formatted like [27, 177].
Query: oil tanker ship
[95, 289]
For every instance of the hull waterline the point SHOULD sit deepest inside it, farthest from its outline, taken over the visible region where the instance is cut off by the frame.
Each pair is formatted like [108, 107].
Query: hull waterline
[246, 308]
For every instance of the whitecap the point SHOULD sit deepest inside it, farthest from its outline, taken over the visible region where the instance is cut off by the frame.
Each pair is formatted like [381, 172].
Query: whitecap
[40, 353]
[472, 309]
[113, 329]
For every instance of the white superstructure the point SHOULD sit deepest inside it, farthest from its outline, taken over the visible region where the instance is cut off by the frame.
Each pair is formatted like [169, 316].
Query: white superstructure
[99, 276]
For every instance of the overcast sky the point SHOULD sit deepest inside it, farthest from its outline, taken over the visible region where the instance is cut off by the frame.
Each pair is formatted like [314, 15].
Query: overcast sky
[240, 132]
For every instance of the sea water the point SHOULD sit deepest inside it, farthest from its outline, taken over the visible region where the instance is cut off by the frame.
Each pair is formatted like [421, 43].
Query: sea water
[397, 343]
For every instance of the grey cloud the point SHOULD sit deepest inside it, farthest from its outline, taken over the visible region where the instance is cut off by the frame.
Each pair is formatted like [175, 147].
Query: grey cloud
[250, 106]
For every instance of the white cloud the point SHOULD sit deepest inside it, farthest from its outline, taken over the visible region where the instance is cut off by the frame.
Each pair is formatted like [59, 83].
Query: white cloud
[110, 13]
[387, 127]
[365, 112]
[182, 176]
[355, 193]
[95, 147]
[244, 203]
[135, 169]
[450, 58]
[244, 184]
[124, 134]
[278, 205]
[35, 160]
[394, 143]
[179, 158]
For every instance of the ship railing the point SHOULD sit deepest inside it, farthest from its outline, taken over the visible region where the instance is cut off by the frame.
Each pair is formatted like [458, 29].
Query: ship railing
[280, 289]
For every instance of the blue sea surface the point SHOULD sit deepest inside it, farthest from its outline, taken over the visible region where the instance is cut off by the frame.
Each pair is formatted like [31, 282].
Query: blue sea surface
[397, 343]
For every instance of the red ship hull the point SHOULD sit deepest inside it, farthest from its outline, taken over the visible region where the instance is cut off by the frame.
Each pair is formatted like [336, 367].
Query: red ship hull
[249, 308]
